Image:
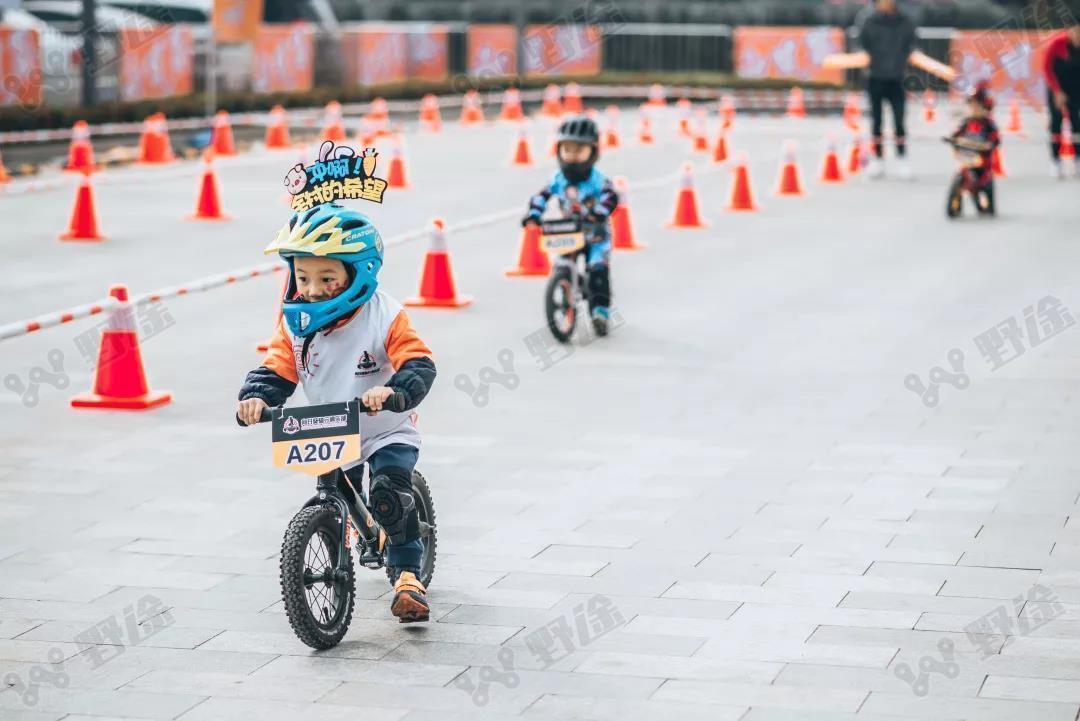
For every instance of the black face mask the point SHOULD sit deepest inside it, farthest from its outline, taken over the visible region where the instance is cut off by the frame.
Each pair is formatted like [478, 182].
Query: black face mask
[576, 172]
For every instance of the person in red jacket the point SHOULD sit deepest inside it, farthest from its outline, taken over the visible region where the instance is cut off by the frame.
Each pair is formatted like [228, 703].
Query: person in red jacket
[1062, 69]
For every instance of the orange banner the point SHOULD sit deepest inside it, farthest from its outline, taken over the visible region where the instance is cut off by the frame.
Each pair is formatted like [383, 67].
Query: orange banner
[491, 50]
[20, 68]
[237, 21]
[157, 63]
[559, 49]
[427, 52]
[1009, 60]
[795, 53]
[374, 54]
[284, 58]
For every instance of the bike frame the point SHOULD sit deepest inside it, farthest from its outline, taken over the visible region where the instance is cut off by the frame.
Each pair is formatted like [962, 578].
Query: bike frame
[571, 260]
[327, 489]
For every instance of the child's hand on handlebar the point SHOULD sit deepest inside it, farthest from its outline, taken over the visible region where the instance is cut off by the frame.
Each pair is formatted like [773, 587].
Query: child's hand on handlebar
[374, 398]
[250, 409]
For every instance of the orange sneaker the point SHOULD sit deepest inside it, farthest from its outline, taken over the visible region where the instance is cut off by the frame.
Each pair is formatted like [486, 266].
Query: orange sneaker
[410, 599]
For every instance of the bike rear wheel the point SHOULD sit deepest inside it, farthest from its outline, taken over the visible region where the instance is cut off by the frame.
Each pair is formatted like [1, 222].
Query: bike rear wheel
[425, 507]
[559, 306]
[318, 597]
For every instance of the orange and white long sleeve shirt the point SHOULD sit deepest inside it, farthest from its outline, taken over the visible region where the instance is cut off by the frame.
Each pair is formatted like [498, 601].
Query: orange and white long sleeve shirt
[345, 360]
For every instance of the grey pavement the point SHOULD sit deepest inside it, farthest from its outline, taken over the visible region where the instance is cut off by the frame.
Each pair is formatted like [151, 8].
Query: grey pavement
[780, 525]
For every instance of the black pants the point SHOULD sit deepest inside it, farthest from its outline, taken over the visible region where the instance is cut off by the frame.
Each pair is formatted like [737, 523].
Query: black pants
[892, 90]
[1056, 118]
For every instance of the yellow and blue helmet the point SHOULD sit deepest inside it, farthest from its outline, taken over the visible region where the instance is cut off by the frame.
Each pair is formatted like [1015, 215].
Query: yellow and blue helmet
[329, 230]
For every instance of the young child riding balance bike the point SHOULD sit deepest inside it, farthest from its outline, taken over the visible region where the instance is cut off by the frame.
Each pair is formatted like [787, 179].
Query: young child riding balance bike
[342, 338]
[581, 189]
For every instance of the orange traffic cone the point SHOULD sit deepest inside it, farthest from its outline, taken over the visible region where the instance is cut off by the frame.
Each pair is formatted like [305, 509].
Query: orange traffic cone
[686, 206]
[683, 106]
[430, 117]
[333, 129]
[222, 139]
[855, 157]
[830, 167]
[511, 105]
[366, 133]
[742, 196]
[154, 144]
[852, 112]
[437, 288]
[796, 107]
[207, 203]
[1015, 126]
[611, 130]
[80, 152]
[277, 131]
[1068, 150]
[471, 112]
[83, 224]
[701, 142]
[622, 230]
[522, 152]
[4, 177]
[532, 260]
[929, 106]
[645, 136]
[720, 152]
[396, 176]
[119, 379]
[657, 95]
[552, 107]
[997, 162]
[379, 113]
[572, 99]
[727, 112]
[789, 182]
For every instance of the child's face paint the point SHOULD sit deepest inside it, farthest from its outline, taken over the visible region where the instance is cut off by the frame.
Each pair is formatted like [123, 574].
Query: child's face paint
[319, 279]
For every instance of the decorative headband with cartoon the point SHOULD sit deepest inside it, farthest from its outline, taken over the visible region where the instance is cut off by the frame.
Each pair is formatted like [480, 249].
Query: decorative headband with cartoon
[338, 173]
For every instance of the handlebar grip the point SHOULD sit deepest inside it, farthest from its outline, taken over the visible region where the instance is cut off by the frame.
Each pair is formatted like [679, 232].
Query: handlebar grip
[395, 403]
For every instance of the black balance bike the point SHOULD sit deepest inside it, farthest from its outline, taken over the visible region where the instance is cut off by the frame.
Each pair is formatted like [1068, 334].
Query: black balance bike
[317, 581]
[567, 292]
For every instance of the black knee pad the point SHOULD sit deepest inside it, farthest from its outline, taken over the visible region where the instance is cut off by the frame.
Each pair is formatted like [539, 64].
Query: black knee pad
[393, 506]
[600, 285]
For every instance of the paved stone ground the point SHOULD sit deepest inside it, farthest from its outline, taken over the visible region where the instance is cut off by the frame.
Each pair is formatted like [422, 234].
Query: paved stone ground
[778, 521]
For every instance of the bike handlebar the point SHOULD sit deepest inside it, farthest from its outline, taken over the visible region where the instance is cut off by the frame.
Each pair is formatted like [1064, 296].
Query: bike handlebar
[395, 403]
[974, 146]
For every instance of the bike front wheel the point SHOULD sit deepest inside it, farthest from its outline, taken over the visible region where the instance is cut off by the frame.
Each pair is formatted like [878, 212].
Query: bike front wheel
[318, 596]
[559, 304]
[955, 204]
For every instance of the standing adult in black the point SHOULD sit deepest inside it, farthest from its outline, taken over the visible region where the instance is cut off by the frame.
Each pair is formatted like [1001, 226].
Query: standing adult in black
[888, 36]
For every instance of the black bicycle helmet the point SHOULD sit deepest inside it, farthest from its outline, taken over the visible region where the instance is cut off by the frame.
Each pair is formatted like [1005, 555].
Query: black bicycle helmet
[981, 94]
[578, 129]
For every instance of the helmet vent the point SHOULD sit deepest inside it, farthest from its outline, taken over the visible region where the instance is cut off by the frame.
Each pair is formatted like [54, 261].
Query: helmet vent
[353, 224]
